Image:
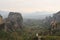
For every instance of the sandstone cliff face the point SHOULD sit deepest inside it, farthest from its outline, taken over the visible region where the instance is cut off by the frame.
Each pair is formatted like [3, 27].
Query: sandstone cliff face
[1, 19]
[14, 21]
[2, 25]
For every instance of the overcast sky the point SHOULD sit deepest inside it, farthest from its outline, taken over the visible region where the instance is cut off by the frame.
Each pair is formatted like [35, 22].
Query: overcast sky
[30, 5]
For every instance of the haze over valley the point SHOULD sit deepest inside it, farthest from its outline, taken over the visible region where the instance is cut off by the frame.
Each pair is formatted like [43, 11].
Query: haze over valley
[31, 15]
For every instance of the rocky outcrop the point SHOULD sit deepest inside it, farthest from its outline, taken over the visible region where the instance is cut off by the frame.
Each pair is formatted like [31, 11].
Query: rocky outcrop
[56, 17]
[2, 25]
[1, 19]
[14, 21]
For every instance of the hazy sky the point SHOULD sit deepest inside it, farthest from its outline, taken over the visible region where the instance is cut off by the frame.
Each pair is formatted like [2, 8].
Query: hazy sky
[30, 5]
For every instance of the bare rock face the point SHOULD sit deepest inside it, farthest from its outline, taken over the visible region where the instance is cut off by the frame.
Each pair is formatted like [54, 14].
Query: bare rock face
[57, 17]
[1, 19]
[14, 21]
[2, 25]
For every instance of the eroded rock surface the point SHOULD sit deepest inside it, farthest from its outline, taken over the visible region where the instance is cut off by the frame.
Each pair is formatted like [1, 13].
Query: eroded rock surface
[14, 21]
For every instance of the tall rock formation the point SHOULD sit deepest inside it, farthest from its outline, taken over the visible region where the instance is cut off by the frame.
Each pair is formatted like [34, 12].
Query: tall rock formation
[1, 19]
[56, 17]
[1, 23]
[14, 21]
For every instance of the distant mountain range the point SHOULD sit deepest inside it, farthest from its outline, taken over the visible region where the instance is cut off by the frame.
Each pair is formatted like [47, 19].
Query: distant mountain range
[33, 15]
[37, 15]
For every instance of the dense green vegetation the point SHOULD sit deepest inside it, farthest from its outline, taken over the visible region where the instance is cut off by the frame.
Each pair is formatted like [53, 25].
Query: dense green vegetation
[30, 28]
